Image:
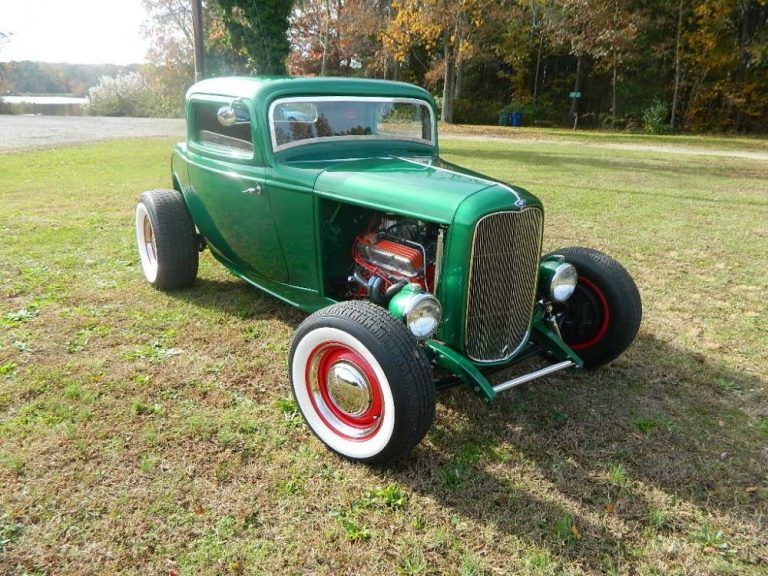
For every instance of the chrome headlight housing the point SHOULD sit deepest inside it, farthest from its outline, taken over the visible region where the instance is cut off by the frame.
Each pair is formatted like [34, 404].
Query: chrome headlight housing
[557, 277]
[563, 282]
[420, 310]
[422, 316]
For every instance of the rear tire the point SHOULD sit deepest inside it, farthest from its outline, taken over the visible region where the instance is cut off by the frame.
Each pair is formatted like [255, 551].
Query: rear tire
[361, 381]
[167, 241]
[602, 317]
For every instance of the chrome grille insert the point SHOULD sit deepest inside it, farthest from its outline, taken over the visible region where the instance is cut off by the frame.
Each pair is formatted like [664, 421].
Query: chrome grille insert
[502, 283]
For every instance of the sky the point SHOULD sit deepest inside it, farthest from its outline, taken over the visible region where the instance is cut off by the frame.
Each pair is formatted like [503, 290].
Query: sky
[75, 31]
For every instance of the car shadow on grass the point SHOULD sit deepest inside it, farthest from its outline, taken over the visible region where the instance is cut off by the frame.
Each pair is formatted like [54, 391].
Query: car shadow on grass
[588, 464]
[235, 297]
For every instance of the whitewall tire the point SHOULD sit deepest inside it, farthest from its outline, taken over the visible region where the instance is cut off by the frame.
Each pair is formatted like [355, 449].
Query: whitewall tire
[166, 240]
[361, 381]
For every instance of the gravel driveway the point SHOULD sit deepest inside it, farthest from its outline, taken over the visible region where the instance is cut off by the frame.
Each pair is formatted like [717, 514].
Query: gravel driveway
[24, 132]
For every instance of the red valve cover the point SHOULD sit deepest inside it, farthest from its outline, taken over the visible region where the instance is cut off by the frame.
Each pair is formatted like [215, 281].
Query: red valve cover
[413, 255]
[390, 255]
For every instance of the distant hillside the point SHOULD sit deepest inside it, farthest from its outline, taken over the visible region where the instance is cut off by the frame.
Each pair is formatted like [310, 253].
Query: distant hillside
[27, 77]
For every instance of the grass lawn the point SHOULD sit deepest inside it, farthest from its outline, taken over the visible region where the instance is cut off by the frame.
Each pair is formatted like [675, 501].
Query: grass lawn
[145, 433]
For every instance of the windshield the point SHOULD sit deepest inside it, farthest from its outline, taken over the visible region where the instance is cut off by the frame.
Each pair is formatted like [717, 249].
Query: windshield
[297, 121]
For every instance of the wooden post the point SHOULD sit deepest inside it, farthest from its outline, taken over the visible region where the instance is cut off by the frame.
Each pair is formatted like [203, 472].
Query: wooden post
[197, 31]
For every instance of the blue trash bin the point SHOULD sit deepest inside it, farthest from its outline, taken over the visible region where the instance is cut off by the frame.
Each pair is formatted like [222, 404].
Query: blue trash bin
[516, 119]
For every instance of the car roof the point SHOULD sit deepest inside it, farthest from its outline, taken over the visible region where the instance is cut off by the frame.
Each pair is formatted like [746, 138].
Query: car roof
[263, 88]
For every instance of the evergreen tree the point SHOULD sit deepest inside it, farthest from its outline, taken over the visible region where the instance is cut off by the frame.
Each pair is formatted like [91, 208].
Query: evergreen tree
[258, 31]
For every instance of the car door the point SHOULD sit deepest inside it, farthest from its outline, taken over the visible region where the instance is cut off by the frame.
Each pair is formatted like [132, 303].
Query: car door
[228, 193]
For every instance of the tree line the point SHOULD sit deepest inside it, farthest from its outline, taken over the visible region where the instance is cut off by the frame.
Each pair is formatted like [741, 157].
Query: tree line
[696, 65]
[662, 65]
[32, 78]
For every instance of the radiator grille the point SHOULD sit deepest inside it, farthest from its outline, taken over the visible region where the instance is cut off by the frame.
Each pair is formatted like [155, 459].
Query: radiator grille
[502, 283]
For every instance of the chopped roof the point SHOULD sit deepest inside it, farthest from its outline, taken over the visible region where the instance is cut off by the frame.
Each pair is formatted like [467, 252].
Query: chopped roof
[261, 88]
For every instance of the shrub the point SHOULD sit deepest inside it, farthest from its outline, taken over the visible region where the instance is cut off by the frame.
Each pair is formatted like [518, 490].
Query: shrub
[126, 95]
[655, 117]
[475, 110]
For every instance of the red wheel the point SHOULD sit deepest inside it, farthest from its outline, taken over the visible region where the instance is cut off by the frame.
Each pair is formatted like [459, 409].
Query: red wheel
[588, 316]
[344, 391]
[362, 382]
[602, 317]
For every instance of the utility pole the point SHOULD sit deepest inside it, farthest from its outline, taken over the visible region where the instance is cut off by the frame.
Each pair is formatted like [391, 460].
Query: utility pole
[197, 31]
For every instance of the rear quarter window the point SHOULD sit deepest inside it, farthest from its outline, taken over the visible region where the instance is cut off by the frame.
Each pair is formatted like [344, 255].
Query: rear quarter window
[209, 133]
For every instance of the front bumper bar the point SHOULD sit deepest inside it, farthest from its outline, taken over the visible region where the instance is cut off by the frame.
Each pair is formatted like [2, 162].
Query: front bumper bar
[532, 376]
[547, 340]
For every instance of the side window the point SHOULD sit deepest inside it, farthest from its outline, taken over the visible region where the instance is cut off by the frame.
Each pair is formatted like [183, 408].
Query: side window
[210, 133]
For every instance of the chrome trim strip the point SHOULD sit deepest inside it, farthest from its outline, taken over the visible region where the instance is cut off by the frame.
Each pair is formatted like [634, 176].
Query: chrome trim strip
[273, 136]
[532, 376]
[438, 260]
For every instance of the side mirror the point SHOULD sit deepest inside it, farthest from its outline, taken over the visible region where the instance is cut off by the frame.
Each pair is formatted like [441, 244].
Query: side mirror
[228, 115]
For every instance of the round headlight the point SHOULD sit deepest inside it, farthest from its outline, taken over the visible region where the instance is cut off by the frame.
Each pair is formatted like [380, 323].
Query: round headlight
[422, 315]
[563, 282]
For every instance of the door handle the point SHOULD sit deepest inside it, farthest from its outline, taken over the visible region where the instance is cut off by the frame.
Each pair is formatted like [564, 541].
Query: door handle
[257, 190]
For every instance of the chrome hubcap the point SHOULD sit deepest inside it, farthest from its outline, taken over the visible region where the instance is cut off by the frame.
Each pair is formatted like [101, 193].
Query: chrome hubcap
[349, 389]
[344, 391]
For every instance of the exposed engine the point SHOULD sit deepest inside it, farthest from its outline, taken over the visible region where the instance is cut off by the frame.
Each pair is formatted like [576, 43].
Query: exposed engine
[392, 253]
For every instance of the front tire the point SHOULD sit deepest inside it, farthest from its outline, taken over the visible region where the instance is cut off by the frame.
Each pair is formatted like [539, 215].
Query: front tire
[602, 317]
[166, 239]
[361, 382]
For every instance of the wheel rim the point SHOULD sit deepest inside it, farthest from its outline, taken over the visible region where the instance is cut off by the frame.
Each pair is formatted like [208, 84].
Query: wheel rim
[145, 238]
[368, 439]
[344, 391]
[585, 316]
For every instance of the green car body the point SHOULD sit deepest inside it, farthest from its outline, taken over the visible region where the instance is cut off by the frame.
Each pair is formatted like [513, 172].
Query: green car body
[264, 213]
[417, 274]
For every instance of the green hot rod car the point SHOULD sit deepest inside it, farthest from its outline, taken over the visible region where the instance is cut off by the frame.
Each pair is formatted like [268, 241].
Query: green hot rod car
[330, 194]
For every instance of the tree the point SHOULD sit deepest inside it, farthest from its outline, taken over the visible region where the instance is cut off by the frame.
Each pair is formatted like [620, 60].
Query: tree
[520, 39]
[314, 36]
[727, 87]
[258, 32]
[339, 37]
[361, 27]
[452, 25]
[168, 26]
[678, 69]
[575, 25]
[5, 85]
[615, 42]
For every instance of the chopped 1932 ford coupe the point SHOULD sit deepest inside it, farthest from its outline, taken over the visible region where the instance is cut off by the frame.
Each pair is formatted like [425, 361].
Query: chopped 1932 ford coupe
[330, 194]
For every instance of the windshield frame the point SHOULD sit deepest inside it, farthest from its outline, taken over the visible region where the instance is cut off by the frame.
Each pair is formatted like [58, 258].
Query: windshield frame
[355, 138]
